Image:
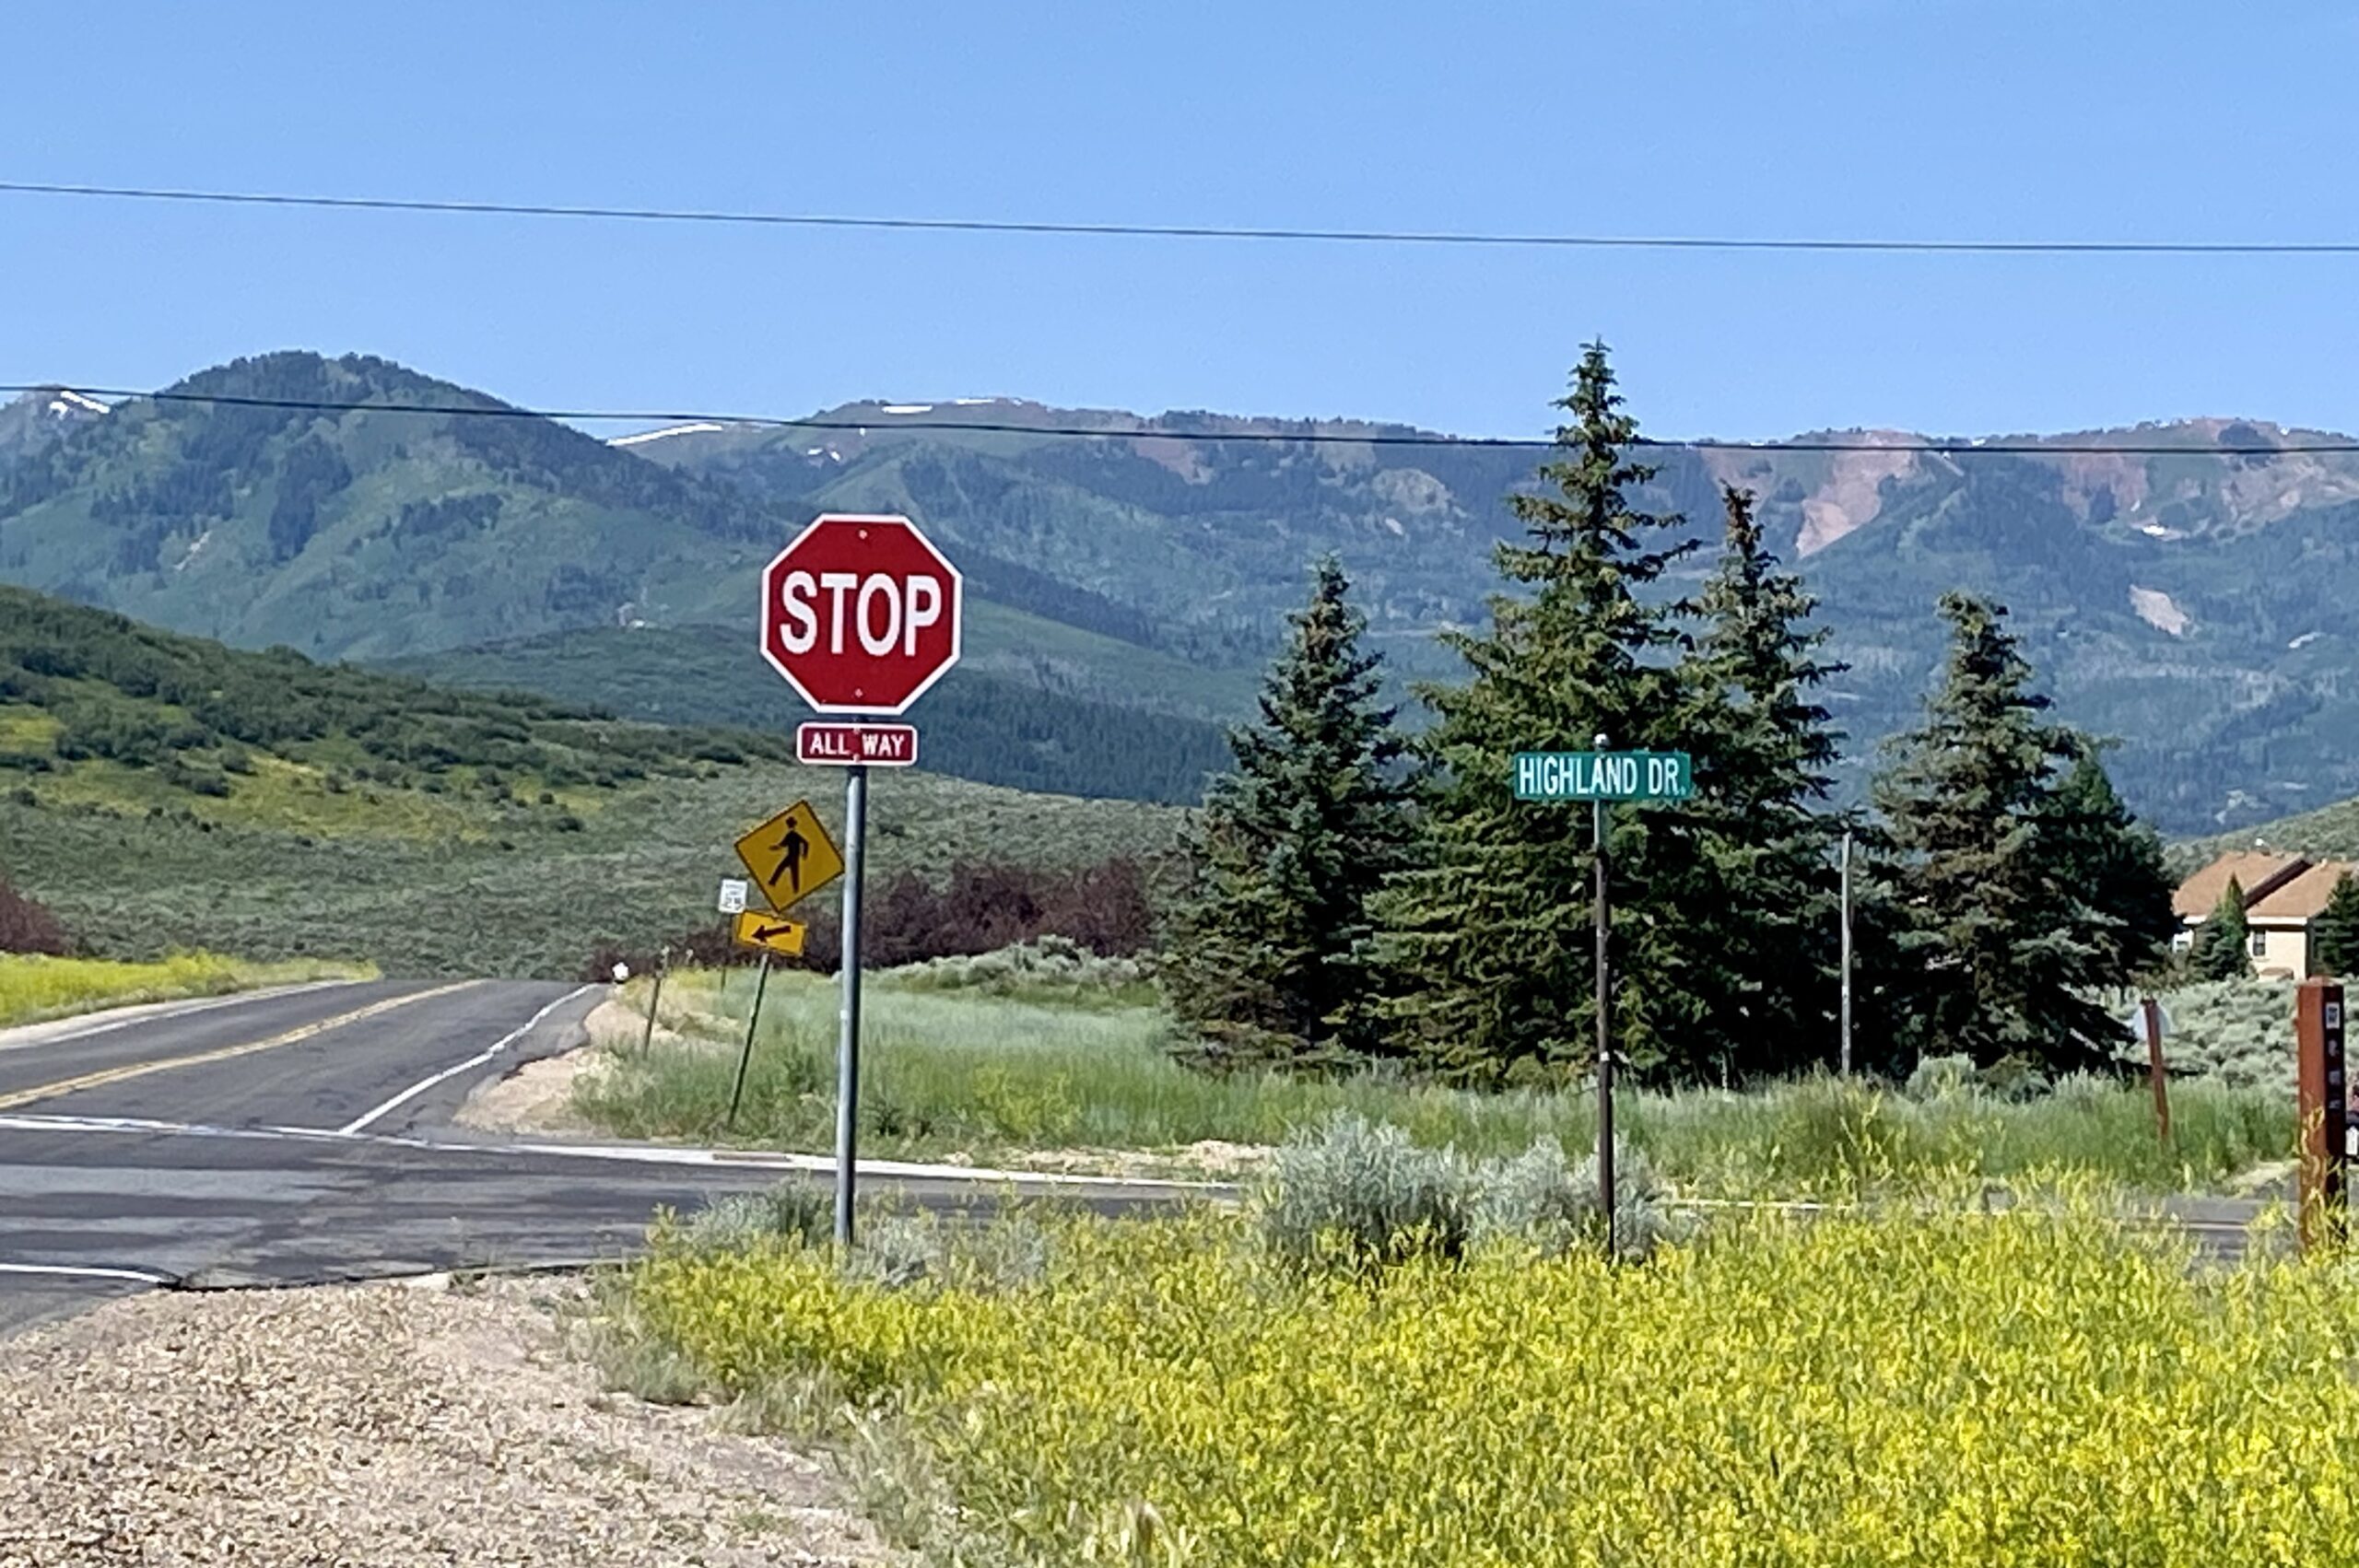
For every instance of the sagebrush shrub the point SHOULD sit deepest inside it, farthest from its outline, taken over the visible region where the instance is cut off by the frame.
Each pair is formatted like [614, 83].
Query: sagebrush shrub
[797, 1211]
[1364, 1190]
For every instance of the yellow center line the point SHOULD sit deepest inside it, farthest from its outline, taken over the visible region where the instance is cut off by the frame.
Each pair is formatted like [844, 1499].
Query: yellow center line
[20, 1097]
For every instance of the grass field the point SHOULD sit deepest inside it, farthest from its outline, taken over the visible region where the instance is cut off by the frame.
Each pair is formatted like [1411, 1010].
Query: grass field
[458, 881]
[34, 987]
[964, 1072]
[1963, 1389]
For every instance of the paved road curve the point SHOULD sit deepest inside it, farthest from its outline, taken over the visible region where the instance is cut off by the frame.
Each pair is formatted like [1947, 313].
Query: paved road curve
[304, 1135]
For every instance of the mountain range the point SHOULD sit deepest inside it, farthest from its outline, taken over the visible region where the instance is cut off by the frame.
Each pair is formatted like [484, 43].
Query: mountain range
[2184, 599]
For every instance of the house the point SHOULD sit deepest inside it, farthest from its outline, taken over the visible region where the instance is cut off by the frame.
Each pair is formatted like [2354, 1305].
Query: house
[2284, 895]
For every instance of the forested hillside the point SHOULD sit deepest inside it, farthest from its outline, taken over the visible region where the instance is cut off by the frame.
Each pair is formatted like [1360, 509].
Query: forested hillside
[997, 728]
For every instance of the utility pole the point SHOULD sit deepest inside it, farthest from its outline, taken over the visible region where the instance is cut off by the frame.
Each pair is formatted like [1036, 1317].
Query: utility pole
[1605, 1030]
[1846, 1024]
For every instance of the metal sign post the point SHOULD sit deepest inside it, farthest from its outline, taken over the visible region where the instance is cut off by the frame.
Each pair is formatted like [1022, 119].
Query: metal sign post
[860, 614]
[761, 984]
[1599, 777]
[848, 1042]
[1844, 1024]
[1604, 1007]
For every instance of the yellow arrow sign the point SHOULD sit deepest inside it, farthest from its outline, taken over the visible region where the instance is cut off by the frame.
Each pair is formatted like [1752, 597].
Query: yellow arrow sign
[767, 932]
[790, 856]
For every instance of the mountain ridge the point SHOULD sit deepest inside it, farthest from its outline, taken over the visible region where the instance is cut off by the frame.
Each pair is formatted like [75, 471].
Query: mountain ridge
[2186, 600]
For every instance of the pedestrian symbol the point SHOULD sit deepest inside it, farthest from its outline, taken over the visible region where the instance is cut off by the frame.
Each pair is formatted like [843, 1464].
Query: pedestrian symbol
[790, 856]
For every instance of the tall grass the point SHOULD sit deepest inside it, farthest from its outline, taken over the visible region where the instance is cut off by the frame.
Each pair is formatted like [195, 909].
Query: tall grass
[35, 988]
[966, 1072]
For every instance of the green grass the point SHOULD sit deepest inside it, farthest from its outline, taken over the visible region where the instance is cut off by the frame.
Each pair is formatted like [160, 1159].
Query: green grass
[33, 987]
[997, 1077]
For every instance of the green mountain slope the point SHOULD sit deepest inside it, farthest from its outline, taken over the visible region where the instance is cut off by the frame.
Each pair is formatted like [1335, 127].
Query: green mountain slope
[161, 791]
[2186, 602]
[997, 728]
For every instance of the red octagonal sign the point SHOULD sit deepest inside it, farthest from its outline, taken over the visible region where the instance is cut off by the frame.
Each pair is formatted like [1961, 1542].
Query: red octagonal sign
[861, 614]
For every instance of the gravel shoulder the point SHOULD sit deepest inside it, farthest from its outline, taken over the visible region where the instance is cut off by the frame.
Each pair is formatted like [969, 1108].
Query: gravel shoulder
[382, 1424]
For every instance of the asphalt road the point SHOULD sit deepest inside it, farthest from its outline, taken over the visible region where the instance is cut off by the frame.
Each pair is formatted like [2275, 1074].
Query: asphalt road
[303, 1136]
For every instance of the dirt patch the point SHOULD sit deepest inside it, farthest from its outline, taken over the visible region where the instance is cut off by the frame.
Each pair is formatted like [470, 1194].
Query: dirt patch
[1209, 1160]
[538, 1096]
[377, 1424]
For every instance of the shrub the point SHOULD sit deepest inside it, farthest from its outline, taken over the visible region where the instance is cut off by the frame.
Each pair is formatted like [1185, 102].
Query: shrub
[27, 926]
[799, 1212]
[1541, 1200]
[1363, 1194]
[1050, 961]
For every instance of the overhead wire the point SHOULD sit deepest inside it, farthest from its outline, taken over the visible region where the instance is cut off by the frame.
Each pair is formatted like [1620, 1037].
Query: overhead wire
[1147, 429]
[1208, 231]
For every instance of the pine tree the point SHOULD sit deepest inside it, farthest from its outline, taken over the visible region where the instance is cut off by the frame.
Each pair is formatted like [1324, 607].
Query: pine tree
[1268, 953]
[2223, 948]
[2334, 939]
[1761, 936]
[2114, 862]
[1489, 936]
[2009, 950]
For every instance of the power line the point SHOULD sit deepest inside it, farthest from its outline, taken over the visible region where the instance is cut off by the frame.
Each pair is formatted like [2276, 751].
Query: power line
[1468, 238]
[488, 410]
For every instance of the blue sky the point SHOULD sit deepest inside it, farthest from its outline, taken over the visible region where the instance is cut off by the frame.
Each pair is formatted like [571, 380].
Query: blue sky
[1915, 118]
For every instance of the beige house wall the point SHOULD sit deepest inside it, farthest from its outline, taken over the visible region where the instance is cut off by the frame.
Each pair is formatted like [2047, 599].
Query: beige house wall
[2285, 950]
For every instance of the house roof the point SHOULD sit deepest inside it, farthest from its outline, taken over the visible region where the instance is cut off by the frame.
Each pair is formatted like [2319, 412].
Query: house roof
[2258, 871]
[2302, 899]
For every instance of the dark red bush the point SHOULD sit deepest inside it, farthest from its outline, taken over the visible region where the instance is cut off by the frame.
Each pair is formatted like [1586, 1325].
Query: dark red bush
[26, 927]
[1108, 909]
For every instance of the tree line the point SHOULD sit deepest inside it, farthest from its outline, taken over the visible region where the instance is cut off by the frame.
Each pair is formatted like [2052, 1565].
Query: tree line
[1361, 894]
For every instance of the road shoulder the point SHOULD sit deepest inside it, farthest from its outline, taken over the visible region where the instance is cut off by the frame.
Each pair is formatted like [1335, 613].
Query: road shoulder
[382, 1424]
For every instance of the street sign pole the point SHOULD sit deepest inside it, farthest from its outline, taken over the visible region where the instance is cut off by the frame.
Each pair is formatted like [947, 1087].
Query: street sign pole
[1605, 1031]
[847, 1044]
[1845, 1026]
[761, 984]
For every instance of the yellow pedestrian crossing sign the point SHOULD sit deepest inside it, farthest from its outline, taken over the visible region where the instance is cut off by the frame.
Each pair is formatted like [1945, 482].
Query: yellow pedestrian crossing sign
[790, 856]
[768, 932]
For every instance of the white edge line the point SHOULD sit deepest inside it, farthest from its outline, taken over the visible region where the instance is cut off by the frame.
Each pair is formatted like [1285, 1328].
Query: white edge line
[81, 1271]
[361, 1122]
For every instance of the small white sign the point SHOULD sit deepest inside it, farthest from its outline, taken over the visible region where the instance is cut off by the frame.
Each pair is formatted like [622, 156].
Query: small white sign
[733, 896]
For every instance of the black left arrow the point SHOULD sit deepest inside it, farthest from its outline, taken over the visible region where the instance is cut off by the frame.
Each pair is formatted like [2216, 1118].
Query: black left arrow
[764, 933]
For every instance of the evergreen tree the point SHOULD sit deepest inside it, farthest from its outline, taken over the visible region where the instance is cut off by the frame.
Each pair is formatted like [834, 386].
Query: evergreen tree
[2334, 939]
[2008, 948]
[1489, 935]
[1761, 936]
[1268, 951]
[2223, 948]
[2116, 864]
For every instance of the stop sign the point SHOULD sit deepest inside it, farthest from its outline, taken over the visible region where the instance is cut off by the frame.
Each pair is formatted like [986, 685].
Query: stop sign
[861, 614]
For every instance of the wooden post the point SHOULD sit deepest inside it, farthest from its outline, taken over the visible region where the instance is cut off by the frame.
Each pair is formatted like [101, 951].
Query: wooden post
[2321, 1099]
[2153, 1012]
[656, 1000]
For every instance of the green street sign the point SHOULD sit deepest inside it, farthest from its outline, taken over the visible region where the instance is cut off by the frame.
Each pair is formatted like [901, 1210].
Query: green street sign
[1603, 776]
